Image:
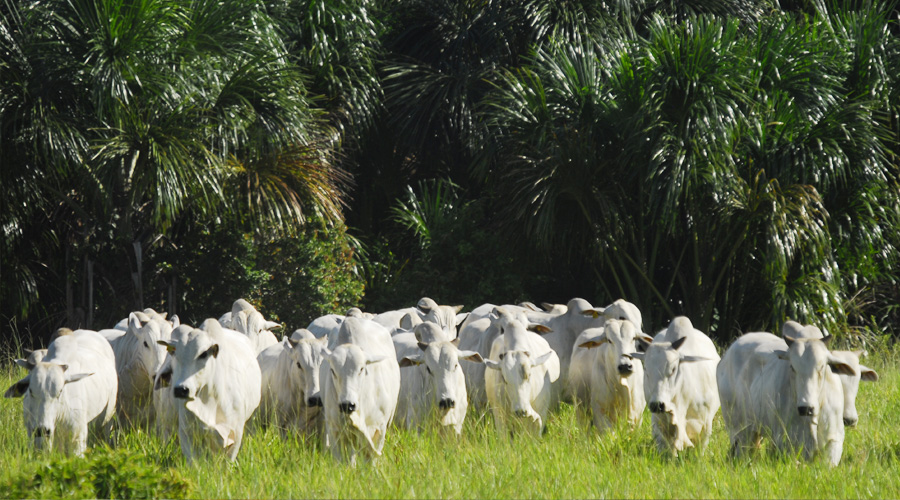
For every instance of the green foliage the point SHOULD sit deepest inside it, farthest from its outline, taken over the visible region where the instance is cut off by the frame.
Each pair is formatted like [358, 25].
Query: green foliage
[102, 473]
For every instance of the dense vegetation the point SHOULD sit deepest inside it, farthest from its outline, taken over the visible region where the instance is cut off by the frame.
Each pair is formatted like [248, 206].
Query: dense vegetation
[735, 161]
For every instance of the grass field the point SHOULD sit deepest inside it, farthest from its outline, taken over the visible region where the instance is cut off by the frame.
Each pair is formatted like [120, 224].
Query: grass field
[569, 462]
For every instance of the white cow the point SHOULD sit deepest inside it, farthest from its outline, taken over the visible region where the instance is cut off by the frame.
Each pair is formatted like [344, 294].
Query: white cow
[138, 358]
[432, 383]
[361, 389]
[478, 335]
[785, 389]
[616, 387]
[70, 392]
[31, 358]
[680, 386]
[849, 383]
[581, 367]
[217, 383]
[522, 382]
[426, 310]
[290, 381]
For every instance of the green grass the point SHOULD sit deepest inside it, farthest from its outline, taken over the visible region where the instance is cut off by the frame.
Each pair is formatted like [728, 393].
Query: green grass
[568, 462]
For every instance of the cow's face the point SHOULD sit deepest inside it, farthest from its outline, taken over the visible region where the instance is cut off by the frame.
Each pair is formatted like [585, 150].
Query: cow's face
[620, 335]
[809, 360]
[308, 356]
[515, 369]
[850, 383]
[42, 389]
[348, 366]
[150, 354]
[195, 360]
[444, 382]
[663, 377]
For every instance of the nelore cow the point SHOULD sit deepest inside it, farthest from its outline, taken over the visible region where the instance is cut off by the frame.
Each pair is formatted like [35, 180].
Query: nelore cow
[70, 393]
[785, 389]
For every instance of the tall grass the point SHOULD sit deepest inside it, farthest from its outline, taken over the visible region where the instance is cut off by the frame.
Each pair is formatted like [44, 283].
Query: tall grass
[569, 461]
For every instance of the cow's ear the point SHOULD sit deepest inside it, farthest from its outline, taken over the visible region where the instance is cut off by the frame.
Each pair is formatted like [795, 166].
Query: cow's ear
[289, 343]
[867, 374]
[457, 309]
[455, 342]
[838, 366]
[176, 321]
[539, 329]
[25, 364]
[374, 359]
[595, 342]
[789, 340]
[75, 377]
[543, 358]
[643, 337]
[422, 346]
[411, 361]
[678, 343]
[691, 359]
[490, 363]
[594, 313]
[18, 389]
[163, 380]
[827, 339]
[212, 351]
[472, 356]
[168, 344]
[638, 355]
[134, 324]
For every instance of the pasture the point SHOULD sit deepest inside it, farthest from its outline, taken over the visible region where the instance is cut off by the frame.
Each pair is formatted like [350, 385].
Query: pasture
[569, 462]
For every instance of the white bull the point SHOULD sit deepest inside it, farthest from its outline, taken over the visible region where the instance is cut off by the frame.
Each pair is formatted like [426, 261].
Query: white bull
[522, 382]
[361, 389]
[216, 382]
[70, 393]
[785, 389]
[680, 386]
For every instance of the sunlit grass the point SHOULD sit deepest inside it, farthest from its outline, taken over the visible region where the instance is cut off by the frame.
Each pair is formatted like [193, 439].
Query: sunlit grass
[568, 461]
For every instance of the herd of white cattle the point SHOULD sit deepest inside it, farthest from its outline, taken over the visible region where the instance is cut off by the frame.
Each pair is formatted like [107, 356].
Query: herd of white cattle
[347, 379]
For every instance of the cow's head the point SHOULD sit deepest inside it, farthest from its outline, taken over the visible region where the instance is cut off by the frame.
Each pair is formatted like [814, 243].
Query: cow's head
[308, 354]
[515, 369]
[348, 366]
[444, 383]
[195, 361]
[149, 355]
[620, 335]
[809, 361]
[42, 389]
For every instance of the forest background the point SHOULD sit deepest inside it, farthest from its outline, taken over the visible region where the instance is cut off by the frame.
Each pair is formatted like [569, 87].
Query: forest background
[735, 161]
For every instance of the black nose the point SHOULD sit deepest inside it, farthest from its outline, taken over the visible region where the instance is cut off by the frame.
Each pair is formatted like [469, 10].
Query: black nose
[314, 401]
[850, 422]
[521, 413]
[805, 411]
[41, 432]
[625, 369]
[181, 392]
[447, 403]
[657, 407]
[347, 407]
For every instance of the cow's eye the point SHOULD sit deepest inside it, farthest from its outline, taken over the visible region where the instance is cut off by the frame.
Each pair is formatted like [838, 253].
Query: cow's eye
[299, 365]
[146, 344]
[428, 369]
[622, 318]
[204, 355]
[332, 373]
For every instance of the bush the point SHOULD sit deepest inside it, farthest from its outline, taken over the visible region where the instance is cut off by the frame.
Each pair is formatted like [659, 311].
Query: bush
[102, 473]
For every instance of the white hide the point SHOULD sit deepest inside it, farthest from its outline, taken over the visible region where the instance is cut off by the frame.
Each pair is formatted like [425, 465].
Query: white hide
[216, 383]
[680, 386]
[522, 380]
[69, 393]
[583, 360]
[849, 383]
[432, 384]
[139, 357]
[164, 403]
[360, 389]
[785, 390]
[616, 385]
[290, 382]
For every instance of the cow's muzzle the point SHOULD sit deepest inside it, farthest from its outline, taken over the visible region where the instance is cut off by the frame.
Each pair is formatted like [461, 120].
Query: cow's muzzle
[850, 422]
[806, 411]
[521, 413]
[42, 432]
[314, 401]
[447, 403]
[181, 392]
[626, 368]
[657, 407]
[347, 407]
